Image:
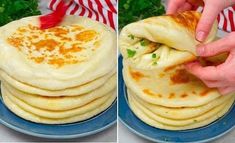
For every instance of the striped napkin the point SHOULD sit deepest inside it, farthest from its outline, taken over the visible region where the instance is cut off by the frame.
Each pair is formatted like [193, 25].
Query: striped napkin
[226, 19]
[104, 11]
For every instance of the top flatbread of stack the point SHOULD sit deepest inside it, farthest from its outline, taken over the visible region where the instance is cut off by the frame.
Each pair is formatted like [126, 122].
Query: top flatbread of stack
[170, 37]
[76, 52]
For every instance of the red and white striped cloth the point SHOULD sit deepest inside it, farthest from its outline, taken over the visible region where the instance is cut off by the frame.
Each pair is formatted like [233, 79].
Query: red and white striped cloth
[104, 11]
[226, 19]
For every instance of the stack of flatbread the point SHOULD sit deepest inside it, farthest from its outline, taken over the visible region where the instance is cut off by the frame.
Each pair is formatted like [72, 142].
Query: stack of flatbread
[59, 75]
[160, 91]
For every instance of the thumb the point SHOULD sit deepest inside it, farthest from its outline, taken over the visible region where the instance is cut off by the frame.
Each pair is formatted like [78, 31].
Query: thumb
[206, 21]
[222, 45]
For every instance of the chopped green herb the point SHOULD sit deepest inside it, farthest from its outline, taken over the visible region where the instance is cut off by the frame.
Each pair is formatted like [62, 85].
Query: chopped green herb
[131, 53]
[143, 42]
[131, 36]
[154, 56]
[15, 9]
[155, 63]
[134, 10]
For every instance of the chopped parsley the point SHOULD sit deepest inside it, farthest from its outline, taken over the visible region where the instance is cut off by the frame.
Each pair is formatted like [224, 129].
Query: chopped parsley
[134, 10]
[15, 9]
[144, 42]
[155, 58]
[154, 55]
[131, 36]
[131, 53]
[155, 63]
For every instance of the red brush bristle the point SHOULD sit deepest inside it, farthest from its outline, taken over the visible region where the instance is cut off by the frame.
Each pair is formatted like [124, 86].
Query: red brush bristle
[54, 18]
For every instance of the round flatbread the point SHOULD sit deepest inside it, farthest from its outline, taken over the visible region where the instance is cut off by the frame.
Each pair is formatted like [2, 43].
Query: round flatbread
[59, 114]
[150, 120]
[181, 113]
[77, 51]
[181, 122]
[171, 88]
[38, 119]
[162, 41]
[61, 102]
[82, 89]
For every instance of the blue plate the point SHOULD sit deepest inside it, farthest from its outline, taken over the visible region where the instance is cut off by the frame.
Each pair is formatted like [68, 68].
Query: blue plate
[199, 135]
[64, 131]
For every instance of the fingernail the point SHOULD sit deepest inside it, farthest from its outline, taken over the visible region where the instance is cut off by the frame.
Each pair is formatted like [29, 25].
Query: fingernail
[200, 51]
[201, 36]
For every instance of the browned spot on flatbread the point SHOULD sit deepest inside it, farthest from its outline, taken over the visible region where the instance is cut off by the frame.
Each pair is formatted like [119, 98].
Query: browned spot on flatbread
[17, 42]
[161, 75]
[55, 46]
[86, 36]
[149, 92]
[170, 68]
[180, 76]
[193, 92]
[136, 75]
[172, 95]
[159, 95]
[206, 91]
[184, 95]
[187, 19]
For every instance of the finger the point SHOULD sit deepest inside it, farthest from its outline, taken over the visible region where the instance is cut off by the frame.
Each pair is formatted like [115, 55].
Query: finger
[206, 21]
[173, 6]
[204, 73]
[214, 84]
[215, 48]
[185, 7]
[227, 90]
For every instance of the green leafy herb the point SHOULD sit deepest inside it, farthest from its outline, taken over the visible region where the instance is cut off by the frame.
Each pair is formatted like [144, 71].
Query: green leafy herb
[131, 53]
[131, 36]
[155, 58]
[155, 63]
[15, 9]
[144, 42]
[154, 55]
[134, 10]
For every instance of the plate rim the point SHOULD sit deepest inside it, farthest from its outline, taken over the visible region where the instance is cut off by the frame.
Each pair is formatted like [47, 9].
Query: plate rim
[59, 137]
[161, 141]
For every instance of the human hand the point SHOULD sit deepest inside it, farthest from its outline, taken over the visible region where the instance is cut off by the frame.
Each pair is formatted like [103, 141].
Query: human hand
[223, 75]
[211, 10]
